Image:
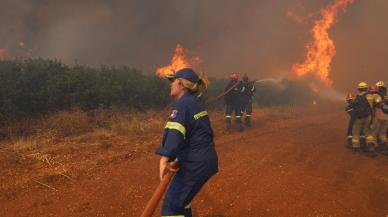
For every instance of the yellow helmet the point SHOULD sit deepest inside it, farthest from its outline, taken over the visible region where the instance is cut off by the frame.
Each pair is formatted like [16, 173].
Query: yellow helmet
[362, 85]
[380, 84]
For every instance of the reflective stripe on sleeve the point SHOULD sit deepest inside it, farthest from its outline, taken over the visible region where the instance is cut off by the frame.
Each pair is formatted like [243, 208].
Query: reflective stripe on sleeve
[176, 126]
[200, 115]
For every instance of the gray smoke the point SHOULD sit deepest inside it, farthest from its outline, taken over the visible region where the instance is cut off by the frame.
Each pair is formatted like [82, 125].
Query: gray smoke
[251, 36]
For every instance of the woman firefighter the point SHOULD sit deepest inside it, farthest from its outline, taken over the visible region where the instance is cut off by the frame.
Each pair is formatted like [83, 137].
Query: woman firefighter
[187, 140]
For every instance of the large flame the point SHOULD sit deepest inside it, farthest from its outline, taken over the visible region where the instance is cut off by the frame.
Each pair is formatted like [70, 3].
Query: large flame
[321, 51]
[178, 61]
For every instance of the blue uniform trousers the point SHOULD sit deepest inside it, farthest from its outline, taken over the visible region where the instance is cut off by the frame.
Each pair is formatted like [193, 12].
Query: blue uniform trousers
[181, 192]
[247, 106]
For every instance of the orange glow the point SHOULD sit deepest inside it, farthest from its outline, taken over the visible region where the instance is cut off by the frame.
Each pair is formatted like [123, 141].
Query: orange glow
[314, 88]
[294, 14]
[21, 43]
[315, 102]
[178, 61]
[321, 51]
[3, 53]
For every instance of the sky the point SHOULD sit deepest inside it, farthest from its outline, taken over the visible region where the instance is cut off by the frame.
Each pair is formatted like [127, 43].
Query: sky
[251, 36]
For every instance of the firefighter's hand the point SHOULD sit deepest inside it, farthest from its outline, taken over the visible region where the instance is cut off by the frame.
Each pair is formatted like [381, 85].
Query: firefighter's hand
[166, 166]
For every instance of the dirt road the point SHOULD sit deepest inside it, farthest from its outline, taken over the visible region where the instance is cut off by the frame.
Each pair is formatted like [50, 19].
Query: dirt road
[290, 164]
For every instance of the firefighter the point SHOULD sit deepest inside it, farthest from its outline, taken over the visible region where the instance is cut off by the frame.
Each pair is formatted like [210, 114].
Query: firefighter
[349, 109]
[374, 100]
[362, 115]
[247, 93]
[188, 140]
[233, 101]
[382, 117]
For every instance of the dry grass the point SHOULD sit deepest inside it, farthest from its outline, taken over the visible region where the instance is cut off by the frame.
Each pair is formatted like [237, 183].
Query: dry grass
[61, 145]
[66, 144]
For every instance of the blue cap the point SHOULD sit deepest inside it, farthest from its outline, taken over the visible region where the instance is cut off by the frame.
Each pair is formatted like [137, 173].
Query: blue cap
[186, 73]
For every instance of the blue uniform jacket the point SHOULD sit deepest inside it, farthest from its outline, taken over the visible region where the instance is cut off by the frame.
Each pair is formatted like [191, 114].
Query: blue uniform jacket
[188, 136]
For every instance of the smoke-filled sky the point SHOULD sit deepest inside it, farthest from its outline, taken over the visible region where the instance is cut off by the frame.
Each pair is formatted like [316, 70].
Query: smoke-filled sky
[251, 36]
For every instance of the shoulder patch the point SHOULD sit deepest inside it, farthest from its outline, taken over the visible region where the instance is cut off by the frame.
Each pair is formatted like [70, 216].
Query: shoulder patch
[174, 113]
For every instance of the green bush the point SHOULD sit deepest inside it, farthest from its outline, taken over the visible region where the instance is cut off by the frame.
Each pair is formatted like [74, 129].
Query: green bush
[30, 87]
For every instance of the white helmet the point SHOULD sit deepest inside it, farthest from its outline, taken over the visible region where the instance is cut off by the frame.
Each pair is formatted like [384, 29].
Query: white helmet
[380, 84]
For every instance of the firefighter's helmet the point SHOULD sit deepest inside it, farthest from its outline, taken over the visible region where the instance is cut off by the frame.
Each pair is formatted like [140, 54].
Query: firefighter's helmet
[362, 85]
[373, 89]
[234, 76]
[380, 84]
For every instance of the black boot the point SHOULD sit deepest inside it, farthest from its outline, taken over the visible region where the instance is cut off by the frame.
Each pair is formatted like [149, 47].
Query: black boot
[372, 150]
[349, 141]
[239, 124]
[385, 150]
[248, 121]
[356, 150]
[228, 122]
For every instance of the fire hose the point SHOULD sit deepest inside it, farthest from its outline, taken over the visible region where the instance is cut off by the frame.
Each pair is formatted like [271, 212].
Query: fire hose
[159, 192]
[213, 99]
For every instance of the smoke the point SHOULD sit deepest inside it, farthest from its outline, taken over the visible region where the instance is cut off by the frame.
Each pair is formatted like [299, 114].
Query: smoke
[253, 36]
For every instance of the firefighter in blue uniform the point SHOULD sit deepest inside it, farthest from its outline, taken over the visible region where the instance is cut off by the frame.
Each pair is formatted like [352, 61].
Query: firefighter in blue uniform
[248, 90]
[233, 101]
[188, 139]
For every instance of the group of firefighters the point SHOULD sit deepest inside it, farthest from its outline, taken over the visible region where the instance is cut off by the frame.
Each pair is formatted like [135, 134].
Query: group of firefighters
[238, 99]
[368, 125]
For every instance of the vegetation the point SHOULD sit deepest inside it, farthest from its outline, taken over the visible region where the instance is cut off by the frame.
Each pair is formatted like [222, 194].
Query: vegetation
[37, 87]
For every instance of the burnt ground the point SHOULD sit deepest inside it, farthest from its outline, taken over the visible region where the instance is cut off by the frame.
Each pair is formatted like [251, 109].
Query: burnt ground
[291, 163]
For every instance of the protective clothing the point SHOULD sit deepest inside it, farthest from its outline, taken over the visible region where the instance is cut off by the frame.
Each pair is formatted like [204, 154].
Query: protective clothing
[382, 119]
[246, 95]
[374, 99]
[233, 103]
[188, 137]
[349, 109]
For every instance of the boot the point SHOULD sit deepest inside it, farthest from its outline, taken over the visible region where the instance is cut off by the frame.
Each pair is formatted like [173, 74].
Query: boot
[349, 141]
[356, 150]
[372, 150]
[248, 121]
[239, 124]
[385, 151]
[228, 122]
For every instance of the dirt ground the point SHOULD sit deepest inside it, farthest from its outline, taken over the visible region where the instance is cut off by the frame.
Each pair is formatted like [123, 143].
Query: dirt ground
[294, 163]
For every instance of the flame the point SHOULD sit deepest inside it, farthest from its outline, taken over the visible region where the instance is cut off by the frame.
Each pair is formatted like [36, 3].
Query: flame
[3, 53]
[321, 51]
[178, 61]
[315, 102]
